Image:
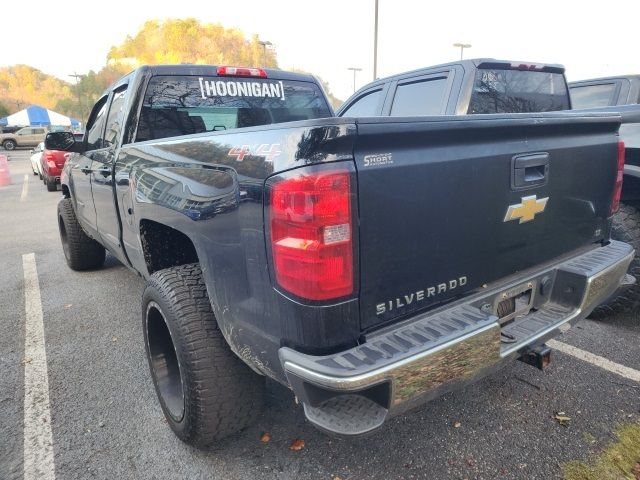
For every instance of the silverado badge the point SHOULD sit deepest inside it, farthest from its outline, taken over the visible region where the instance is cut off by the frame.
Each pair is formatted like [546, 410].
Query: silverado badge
[526, 210]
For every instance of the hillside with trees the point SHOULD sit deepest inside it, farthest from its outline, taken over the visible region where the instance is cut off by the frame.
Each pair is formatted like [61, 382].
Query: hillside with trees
[157, 42]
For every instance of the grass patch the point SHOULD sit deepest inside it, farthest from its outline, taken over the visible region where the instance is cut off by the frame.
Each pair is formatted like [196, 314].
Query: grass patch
[619, 461]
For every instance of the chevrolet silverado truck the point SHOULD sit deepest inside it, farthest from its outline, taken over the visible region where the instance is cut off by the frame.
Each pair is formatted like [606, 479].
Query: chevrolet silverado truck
[622, 95]
[368, 264]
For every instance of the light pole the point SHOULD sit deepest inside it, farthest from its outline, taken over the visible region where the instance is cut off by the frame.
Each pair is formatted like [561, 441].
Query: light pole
[462, 46]
[264, 50]
[354, 69]
[375, 43]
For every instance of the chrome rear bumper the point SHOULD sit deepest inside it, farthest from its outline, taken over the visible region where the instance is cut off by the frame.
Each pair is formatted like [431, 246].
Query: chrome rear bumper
[355, 391]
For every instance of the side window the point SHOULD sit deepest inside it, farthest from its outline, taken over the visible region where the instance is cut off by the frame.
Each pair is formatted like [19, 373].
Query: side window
[96, 125]
[365, 106]
[114, 119]
[24, 131]
[591, 96]
[422, 97]
[38, 131]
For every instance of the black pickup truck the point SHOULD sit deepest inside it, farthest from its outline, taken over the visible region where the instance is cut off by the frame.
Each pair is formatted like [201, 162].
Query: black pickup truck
[621, 95]
[368, 264]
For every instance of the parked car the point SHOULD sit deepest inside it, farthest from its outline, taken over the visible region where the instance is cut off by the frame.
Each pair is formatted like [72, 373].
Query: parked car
[620, 94]
[52, 162]
[369, 264]
[25, 137]
[36, 154]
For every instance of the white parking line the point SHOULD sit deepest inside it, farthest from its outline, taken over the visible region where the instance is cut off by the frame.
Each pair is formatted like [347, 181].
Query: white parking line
[38, 439]
[596, 360]
[25, 188]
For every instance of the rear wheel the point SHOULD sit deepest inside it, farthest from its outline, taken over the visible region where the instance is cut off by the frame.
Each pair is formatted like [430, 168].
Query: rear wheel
[9, 145]
[626, 228]
[81, 251]
[205, 391]
[51, 185]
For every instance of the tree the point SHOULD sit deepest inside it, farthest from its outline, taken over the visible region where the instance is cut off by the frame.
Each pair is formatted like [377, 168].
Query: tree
[22, 85]
[4, 111]
[189, 41]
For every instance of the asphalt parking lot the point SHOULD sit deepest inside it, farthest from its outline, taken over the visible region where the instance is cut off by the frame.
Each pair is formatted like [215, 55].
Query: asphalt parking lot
[106, 423]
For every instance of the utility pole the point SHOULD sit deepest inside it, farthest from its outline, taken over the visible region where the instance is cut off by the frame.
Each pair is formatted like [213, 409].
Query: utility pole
[375, 44]
[462, 46]
[354, 69]
[264, 51]
[78, 77]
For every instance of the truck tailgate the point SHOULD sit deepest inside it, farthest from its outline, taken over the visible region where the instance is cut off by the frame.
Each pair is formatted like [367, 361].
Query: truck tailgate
[449, 204]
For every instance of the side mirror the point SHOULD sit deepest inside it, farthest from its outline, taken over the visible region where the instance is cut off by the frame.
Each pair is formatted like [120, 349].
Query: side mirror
[63, 141]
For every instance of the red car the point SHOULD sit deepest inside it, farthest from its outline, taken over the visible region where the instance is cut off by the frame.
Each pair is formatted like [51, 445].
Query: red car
[52, 163]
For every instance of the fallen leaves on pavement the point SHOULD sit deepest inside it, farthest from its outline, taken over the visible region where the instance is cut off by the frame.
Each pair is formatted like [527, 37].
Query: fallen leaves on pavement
[266, 436]
[562, 419]
[297, 445]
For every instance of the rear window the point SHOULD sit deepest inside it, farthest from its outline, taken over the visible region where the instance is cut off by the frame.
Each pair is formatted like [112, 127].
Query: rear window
[516, 91]
[591, 96]
[183, 105]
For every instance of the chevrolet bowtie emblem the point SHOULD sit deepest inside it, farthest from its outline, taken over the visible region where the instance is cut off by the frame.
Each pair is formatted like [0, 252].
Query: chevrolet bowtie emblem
[526, 210]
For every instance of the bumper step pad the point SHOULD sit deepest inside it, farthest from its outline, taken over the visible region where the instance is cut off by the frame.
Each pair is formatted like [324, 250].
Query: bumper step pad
[347, 415]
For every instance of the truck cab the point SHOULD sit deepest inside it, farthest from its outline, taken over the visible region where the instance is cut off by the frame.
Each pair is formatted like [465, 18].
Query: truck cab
[475, 86]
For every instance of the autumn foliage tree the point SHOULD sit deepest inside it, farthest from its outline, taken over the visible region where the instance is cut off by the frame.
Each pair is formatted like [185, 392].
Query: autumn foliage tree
[22, 85]
[189, 41]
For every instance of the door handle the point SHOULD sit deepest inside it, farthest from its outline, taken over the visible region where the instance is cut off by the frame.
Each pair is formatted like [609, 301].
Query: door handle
[529, 170]
[85, 170]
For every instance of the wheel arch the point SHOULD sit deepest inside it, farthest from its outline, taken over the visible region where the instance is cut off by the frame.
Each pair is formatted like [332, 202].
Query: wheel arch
[164, 246]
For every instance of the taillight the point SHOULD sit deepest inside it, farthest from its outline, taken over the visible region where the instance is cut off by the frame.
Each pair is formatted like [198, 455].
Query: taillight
[311, 234]
[617, 191]
[241, 72]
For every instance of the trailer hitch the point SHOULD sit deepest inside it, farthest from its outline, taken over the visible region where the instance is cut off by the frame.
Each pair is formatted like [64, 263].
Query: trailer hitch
[539, 357]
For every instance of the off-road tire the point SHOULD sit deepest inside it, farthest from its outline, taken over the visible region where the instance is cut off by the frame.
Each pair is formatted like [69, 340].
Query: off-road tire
[9, 145]
[51, 185]
[626, 228]
[220, 395]
[81, 251]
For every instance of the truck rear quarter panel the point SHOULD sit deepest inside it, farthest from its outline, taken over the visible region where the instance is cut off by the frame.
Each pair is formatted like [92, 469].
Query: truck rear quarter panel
[210, 187]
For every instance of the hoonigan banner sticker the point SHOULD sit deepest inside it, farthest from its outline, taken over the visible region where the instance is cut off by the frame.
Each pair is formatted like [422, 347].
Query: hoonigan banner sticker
[234, 88]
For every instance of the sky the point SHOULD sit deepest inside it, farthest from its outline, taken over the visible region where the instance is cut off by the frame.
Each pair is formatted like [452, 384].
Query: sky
[328, 37]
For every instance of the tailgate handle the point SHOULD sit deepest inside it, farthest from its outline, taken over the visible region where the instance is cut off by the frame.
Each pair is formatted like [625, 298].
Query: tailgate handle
[529, 170]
